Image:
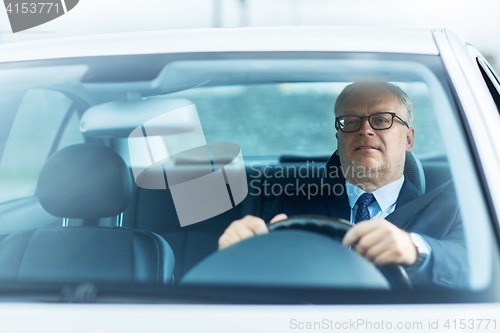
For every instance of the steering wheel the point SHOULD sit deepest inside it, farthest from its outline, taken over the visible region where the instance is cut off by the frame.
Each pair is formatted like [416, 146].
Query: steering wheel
[336, 229]
[293, 258]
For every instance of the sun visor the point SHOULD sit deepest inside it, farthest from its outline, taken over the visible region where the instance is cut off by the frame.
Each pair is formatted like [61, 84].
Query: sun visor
[41, 77]
[163, 116]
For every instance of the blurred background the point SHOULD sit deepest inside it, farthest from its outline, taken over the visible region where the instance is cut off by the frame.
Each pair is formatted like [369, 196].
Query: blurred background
[476, 20]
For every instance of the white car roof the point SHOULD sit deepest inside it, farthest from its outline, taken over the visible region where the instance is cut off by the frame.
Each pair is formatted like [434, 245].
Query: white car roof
[346, 39]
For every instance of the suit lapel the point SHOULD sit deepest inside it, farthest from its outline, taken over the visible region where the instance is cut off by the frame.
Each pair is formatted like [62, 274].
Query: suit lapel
[408, 193]
[338, 205]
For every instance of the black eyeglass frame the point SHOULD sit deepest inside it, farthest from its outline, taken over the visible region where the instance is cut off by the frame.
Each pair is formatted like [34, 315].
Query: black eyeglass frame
[393, 114]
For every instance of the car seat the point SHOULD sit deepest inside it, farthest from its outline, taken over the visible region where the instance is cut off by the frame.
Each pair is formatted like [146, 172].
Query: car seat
[86, 181]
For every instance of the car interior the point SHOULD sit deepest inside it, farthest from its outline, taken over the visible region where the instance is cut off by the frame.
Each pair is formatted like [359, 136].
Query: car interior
[82, 217]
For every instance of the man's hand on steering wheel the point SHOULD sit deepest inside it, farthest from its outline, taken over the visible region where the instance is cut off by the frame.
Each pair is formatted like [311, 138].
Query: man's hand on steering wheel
[381, 242]
[377, 240]
[244, 228]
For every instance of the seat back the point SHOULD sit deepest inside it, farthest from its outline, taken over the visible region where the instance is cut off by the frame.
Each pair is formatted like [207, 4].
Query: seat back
[86, 181]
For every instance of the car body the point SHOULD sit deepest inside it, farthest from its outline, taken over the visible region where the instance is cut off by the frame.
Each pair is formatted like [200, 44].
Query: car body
[256, 91]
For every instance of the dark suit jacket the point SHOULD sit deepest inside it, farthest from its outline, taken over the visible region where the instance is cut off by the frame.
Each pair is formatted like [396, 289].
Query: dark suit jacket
[439, 223]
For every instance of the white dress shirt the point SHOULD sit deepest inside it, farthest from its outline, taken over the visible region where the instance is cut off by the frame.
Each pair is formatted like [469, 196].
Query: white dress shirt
[385, 198]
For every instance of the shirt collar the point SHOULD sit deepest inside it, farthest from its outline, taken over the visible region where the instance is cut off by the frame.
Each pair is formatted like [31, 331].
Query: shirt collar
[386, 196]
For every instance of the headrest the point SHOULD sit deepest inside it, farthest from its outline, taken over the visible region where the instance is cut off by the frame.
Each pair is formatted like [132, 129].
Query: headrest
[413, 170]
[84, 181]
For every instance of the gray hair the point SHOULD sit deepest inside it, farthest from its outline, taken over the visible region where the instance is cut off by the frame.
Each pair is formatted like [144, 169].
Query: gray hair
[405, 102]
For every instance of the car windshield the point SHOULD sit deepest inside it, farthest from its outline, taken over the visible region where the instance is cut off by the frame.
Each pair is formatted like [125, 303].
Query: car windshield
[122, 172]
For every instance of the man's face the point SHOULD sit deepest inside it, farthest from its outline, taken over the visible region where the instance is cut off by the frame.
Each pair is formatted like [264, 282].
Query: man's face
[368, 155]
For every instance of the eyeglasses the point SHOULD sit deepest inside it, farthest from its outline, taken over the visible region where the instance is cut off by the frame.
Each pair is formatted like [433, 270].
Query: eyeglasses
[378, 121]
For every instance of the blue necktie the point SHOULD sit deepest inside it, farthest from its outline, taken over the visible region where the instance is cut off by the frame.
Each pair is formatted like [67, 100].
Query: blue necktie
[363, 202]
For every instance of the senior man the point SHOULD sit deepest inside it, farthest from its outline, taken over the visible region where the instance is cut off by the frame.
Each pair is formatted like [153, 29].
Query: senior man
[374, 133]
